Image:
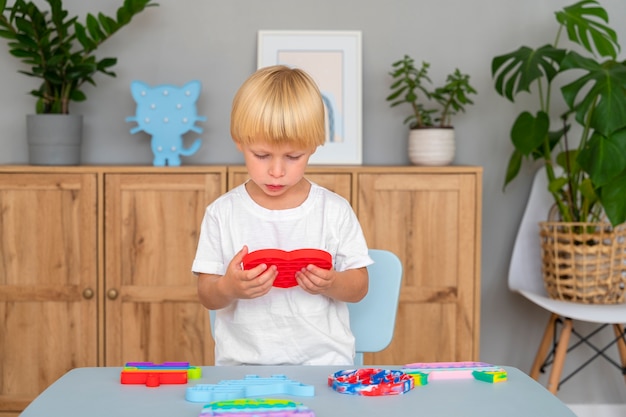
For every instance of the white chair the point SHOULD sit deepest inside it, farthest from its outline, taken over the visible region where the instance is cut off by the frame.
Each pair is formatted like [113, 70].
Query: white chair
[525, 278]
[373, 319]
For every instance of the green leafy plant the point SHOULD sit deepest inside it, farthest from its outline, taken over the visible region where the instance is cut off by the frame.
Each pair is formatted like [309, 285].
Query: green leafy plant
[587, 177]
[59, 50]
[411, 86]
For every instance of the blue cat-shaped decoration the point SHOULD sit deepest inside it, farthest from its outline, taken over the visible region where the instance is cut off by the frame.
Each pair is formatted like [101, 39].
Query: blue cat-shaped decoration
[167, 112]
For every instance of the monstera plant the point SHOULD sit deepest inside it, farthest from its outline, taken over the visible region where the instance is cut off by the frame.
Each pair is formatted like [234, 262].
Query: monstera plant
[578, 125]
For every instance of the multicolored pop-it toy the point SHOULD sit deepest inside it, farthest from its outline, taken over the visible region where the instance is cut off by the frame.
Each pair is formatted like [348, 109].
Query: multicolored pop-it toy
[256, 408]
[371, 382]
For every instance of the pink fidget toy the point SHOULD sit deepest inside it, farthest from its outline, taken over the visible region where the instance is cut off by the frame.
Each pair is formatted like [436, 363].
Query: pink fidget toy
[288, 262]
[458, 370]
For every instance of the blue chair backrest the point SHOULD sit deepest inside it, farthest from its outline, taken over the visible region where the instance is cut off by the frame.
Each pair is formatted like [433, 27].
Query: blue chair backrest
[373, 319]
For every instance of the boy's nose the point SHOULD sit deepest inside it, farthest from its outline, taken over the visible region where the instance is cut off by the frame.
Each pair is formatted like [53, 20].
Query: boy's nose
[277, 168]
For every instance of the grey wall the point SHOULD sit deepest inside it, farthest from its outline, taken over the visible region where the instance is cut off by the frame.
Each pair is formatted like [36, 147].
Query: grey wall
[215, 42]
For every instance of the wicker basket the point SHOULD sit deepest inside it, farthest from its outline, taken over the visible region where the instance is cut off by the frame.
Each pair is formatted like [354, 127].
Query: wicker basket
[584, 262]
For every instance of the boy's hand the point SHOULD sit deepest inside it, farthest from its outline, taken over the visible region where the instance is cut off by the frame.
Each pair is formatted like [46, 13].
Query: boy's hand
[315, 280]
[247, 284]
[349, 285]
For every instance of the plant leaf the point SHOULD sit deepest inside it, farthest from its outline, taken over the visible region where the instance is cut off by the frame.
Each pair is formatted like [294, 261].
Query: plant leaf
[109, 25]
[605, 96]
[513, 168]
[612, 199]
[516, 71]
[557, 184]
[78, 95]
[7, 34]
[83, 38]
[567, 160]
[106, 63]
[529, 132]
[604, 158]
[94, 29]
[586, 189]
[585, 25]
[27, 41]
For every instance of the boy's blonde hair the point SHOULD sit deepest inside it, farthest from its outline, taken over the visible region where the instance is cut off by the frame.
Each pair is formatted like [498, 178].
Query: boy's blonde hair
[279, 105]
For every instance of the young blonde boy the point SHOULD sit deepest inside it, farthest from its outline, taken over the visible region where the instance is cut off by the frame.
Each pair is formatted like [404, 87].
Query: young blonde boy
[277, 122]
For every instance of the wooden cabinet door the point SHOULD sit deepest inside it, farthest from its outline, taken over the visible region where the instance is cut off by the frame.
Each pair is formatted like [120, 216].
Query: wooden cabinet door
[48, 281]
[430, 222]
[152, 224]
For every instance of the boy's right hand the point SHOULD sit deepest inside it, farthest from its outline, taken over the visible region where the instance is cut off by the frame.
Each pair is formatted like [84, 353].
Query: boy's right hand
[247, 284]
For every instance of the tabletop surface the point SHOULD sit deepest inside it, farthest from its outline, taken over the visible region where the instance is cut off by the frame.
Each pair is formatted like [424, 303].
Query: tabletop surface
[97, 392]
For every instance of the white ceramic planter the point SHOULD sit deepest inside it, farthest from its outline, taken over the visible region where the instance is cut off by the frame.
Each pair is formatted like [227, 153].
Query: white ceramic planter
[431, 146]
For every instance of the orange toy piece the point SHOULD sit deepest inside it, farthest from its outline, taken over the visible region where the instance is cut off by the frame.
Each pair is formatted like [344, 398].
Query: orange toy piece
[288, 262]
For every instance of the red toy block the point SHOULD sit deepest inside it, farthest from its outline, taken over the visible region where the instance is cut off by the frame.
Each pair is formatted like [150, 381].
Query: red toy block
[153, 378]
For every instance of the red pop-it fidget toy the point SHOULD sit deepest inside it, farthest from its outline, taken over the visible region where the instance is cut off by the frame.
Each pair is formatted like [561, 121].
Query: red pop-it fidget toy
[288, 262]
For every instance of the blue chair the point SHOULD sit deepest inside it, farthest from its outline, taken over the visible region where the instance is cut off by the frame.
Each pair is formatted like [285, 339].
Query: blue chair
[373, 319]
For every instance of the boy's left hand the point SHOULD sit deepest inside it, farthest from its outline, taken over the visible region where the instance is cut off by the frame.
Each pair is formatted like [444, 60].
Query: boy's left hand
[349, 285]
[315, 280]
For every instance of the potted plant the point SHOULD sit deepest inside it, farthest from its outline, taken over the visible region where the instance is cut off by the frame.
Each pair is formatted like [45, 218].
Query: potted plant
[586, 173]
[431, 137]
[60, 52]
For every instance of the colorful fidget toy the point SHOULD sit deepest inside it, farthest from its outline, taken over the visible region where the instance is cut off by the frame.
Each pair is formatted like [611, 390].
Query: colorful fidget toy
[153, 375]
[431, 371]
[371, 382]
[256, 408]
[288, 263]
[250, 386]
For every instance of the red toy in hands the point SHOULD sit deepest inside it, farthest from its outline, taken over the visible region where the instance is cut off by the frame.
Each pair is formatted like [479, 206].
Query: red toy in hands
[288, 262]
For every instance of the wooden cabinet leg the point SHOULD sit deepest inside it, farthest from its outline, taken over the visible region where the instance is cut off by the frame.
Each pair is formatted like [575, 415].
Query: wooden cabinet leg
[559, 356]
[543, 347]
[621, 345]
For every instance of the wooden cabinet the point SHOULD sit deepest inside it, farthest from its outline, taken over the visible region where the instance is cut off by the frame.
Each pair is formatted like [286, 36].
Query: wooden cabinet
[95, 264]
[48, 281]
[431, 219]
[151, 228]
[95, 271]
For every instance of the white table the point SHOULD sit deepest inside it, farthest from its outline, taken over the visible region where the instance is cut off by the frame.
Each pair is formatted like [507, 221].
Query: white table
[97, 392]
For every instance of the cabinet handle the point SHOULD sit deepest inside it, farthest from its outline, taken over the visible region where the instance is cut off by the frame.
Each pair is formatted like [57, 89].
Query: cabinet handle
[88, 293]
[112, 294]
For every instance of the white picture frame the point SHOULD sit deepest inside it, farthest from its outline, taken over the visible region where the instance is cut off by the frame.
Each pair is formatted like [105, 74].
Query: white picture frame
[333, 59]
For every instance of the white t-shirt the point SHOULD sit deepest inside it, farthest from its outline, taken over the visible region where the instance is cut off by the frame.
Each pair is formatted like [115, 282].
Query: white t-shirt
[287, 325]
